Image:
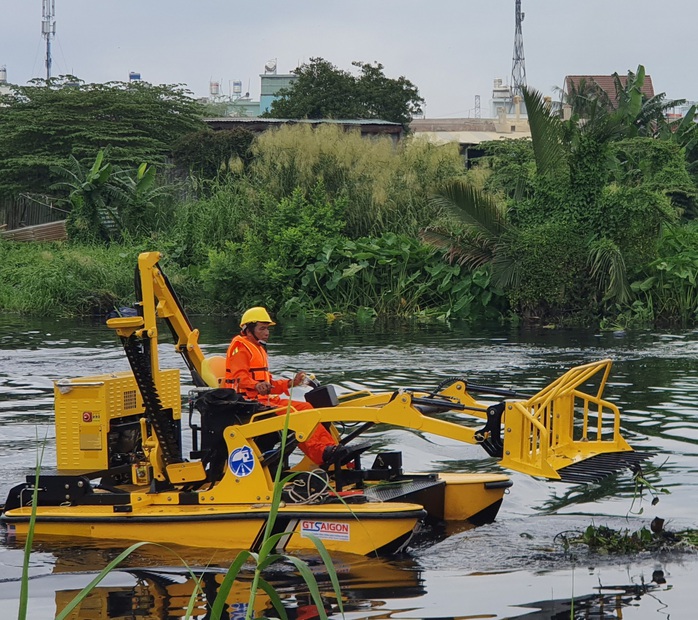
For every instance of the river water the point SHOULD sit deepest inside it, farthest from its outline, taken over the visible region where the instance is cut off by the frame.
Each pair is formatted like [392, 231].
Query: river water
[513, 568]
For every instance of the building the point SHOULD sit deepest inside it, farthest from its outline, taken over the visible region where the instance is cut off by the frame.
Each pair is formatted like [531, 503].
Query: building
[242, 106]
[272, 83]
[4, 86]
[469, 133]
[607, 84]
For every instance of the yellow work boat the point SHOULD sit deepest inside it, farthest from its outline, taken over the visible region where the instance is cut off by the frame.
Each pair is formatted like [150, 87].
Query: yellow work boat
[122, 474]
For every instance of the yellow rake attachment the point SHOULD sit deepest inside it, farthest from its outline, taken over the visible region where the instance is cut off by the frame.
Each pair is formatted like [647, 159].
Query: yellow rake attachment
[567, 431]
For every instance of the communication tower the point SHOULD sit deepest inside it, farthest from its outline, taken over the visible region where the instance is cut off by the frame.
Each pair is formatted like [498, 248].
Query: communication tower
[477, 106]
[518, 65]
[48, 30]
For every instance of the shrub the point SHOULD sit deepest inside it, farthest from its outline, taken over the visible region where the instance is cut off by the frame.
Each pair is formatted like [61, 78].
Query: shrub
[210, 154]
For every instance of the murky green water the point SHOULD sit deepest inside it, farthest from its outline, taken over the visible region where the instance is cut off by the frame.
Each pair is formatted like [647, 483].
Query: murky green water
[511, 569]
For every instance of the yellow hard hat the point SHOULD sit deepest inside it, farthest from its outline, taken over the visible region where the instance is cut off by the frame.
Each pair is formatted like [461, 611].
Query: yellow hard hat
[256, 315]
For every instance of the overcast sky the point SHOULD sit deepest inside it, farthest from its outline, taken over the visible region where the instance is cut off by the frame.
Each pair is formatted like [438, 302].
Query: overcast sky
[452, 50]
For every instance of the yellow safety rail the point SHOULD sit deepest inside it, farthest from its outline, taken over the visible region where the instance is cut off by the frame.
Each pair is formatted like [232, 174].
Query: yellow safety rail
[562, 424]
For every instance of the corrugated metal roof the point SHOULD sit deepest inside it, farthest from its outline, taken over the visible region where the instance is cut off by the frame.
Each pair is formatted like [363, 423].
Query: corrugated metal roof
[313, 121]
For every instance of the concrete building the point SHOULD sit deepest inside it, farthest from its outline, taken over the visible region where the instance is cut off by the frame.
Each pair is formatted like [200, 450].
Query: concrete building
[243, 107]
[271, 83]
[470, 132]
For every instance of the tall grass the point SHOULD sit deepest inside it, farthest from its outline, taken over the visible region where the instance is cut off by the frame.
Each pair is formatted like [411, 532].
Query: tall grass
[24, 585]
[68, 280]
[223, 214]
[387, 186]
[65, 280]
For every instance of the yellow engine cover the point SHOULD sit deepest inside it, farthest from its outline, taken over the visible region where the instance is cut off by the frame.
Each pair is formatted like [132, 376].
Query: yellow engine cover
[86, 407]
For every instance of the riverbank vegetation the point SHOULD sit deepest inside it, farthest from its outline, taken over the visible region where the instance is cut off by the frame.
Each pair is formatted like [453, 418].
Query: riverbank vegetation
[592, 221]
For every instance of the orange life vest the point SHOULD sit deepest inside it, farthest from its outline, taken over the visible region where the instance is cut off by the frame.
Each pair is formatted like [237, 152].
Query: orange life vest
[259, 364]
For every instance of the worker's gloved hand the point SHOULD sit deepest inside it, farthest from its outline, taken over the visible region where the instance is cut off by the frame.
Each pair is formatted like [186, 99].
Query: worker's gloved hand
[299, 379]
[263, 388]
[334, 454]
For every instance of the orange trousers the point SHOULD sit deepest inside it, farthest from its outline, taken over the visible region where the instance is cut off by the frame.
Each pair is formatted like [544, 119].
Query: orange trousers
[319, 439]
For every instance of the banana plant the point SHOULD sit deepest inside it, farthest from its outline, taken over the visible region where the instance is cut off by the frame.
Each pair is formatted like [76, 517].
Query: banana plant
[91, 198]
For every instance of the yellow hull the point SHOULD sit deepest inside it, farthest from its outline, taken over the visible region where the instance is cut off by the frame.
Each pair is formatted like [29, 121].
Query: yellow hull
[377, 526]
[473, 497]
[359, 529]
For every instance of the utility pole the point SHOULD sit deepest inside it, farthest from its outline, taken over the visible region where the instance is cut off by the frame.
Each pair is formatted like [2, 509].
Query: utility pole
[48, 30]
[518, 64]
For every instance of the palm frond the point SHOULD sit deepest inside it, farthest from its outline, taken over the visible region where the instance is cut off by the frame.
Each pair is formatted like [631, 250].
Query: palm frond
[468, 248]
[506, 272]
[608, 269]
[545, 133]
[471, 206]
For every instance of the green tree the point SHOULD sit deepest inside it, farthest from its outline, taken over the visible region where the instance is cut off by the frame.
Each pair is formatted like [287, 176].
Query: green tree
[44, 124]
[638, 114]
[322, 90]
[634, 113]
[395, 100]
[143, 204]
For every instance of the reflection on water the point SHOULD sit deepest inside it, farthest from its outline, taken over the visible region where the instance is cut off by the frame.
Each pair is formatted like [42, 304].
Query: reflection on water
[654, 382]
[148, 584]
[162, 594]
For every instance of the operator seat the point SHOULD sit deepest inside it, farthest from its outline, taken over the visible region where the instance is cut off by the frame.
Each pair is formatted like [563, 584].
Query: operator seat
[213, 370]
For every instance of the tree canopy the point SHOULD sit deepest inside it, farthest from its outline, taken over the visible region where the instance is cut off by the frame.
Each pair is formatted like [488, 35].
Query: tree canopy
[322, 90]
[43, 124]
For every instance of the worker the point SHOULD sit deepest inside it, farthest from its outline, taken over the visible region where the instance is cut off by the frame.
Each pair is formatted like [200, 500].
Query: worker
[247, 371]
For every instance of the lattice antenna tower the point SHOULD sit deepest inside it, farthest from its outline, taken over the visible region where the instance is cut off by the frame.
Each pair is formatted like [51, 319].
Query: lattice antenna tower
[518, 64]
[477, 106]
[48, 30]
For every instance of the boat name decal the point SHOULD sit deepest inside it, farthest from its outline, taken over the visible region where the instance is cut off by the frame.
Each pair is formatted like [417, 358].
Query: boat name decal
[241, 461]
[328, 530]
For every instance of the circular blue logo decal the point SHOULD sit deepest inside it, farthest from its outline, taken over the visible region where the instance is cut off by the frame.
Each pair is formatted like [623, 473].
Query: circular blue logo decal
[241, 461]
